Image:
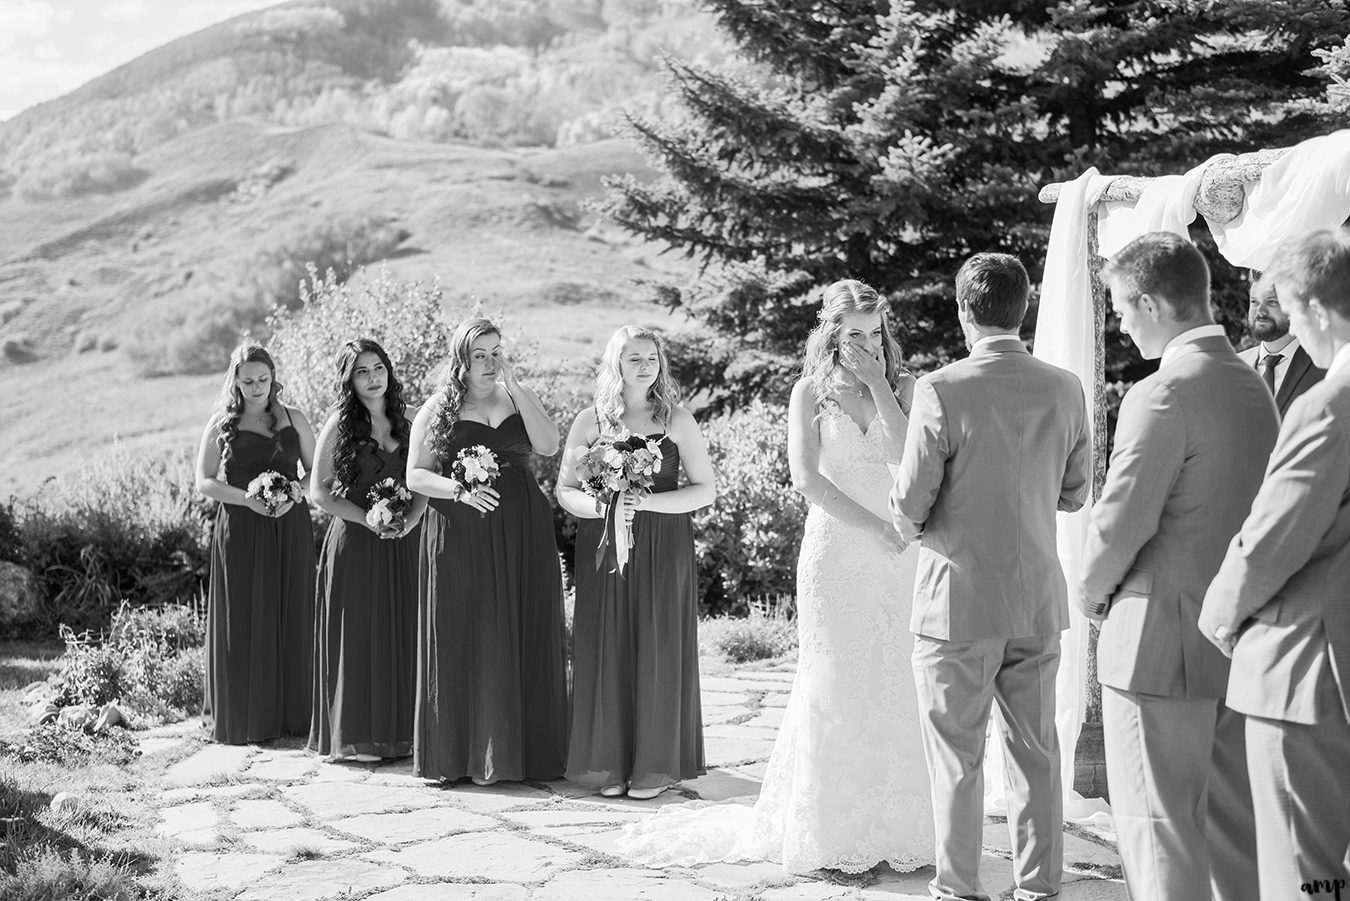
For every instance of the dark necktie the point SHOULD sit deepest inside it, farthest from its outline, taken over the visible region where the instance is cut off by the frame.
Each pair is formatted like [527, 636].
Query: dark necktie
[1268, 364]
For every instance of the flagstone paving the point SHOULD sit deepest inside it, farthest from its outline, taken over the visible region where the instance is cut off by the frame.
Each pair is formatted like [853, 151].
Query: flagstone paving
[256, 824]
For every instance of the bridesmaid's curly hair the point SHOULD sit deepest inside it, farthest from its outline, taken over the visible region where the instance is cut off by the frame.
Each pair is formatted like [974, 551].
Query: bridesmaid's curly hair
[230, 406]
[664, 393]
[821, 366]
[353, 419]
[452, 389]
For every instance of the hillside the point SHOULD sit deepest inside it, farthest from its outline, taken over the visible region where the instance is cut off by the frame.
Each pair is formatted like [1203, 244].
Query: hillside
[149, 264]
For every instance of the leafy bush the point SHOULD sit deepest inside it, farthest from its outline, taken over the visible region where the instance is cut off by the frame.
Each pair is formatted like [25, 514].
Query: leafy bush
[150, 662]
[406, 318]
[125, 526]
[49, 875]
[747, 541]
[769, 631]
[98, 173]
[11, 539]
[336, 246]
[51, 743]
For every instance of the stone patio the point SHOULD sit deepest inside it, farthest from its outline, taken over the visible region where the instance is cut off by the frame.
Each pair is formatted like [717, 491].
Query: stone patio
[267, 823]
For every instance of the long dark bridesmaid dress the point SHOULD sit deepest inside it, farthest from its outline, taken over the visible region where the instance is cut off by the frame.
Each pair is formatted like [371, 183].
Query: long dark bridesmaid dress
[636, 716]
[259, 620]
[365, 629]
[491, 680]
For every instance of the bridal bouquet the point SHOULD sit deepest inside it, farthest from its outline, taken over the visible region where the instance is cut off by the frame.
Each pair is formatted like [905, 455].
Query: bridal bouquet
[390, 501]
[273, 489]
[608, 469]
[474, 468]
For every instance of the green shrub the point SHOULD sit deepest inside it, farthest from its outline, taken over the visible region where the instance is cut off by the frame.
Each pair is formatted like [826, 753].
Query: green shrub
[11, 538]
[337, 246]
[747, 541]
[54, 744]
[49, 875]
[767, 632]
[125, 526]
[97, 173]
[151, 662]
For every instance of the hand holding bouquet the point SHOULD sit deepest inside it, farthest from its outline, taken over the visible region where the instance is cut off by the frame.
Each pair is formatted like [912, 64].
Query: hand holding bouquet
[609, 469]
[475, 471]
[274, 491]
[390, 501]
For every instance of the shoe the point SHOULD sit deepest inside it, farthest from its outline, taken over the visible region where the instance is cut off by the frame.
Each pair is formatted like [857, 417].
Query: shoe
[479, 780]
[367, 758]
[646, 794]
[613, 791]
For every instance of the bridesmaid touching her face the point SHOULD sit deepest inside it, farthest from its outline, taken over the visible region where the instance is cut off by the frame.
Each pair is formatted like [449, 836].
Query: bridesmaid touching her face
[491, 679]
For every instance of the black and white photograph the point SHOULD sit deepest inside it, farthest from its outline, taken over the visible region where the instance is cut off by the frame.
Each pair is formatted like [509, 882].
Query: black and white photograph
[674, 450]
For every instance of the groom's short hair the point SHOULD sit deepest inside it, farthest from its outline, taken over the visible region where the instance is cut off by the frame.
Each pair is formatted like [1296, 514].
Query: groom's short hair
[995, 287]
[1167, 266]
[1315, 264]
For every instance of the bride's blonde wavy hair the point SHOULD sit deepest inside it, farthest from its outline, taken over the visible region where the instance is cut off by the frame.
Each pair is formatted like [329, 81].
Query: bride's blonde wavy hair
[820, 365]
[664, 394]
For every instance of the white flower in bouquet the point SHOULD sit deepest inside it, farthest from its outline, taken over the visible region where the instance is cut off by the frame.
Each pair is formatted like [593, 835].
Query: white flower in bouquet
[273, 489]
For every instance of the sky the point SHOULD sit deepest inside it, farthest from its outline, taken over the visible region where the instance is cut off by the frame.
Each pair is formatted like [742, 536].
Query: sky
[50, 47]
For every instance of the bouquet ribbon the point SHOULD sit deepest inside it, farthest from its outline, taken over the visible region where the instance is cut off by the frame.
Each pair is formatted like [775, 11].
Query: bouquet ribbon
[623, 535]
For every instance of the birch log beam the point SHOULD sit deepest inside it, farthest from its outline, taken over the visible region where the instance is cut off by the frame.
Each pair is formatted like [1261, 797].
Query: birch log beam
[1223, 187]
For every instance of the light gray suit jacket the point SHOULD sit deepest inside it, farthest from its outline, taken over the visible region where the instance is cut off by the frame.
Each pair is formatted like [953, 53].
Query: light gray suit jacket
[997, 443]
[1285, 582]
[1300, 376]
[1192, 442]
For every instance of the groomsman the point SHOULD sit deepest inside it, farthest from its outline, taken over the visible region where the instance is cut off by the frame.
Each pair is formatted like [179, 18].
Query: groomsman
[1284, 365]
[1192, 442]
[997, 443]
[1280, 604]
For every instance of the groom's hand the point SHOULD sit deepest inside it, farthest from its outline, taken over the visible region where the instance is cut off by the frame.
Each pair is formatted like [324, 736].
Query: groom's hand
[1092, 606]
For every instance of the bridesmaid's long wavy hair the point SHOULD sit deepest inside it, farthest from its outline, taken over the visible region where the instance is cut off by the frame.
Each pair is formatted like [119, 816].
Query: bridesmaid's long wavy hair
[664, 393]
[452, 388]
[231, 404]
[820, 365]
[353, 423]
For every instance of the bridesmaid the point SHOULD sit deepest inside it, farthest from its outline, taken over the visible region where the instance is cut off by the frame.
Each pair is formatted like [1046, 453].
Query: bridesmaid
[366, 616]
[259, 620]
[491, 680]
[636, 722]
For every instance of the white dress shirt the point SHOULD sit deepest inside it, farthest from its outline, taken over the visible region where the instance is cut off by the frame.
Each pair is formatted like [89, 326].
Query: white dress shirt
[990, 339]
[1201, 331]
[1340, 361]
[1281, 368]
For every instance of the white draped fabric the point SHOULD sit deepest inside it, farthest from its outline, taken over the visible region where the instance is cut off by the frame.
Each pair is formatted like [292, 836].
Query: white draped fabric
[1308, 188]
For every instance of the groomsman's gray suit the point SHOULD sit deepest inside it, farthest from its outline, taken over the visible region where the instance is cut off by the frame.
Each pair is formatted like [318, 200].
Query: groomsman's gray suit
[1301, 375]
[997, 443]
[1284, 590]
[1192, 443]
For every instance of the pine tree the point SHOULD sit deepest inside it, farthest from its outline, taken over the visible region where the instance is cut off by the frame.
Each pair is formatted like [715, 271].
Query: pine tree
[889, 141]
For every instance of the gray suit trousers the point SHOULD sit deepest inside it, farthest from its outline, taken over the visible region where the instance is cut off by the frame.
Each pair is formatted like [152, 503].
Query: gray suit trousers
[957, 682]
[1177, 768]
[1298, 791]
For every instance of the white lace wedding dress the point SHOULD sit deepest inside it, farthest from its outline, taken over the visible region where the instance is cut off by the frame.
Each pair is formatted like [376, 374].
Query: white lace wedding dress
[846, 786]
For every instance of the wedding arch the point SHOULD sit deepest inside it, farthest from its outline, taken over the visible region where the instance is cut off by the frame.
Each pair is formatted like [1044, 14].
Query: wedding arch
[1250, 202]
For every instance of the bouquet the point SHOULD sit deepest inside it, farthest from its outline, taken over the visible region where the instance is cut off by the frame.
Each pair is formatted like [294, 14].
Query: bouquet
[607, 470]
[273, 489]
[474, 468]
[390, 501]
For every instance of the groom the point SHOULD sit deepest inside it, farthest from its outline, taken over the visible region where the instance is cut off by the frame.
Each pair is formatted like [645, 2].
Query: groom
[997, 443]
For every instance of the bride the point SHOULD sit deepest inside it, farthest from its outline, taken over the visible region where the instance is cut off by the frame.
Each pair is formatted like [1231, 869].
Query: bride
[846, 786]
